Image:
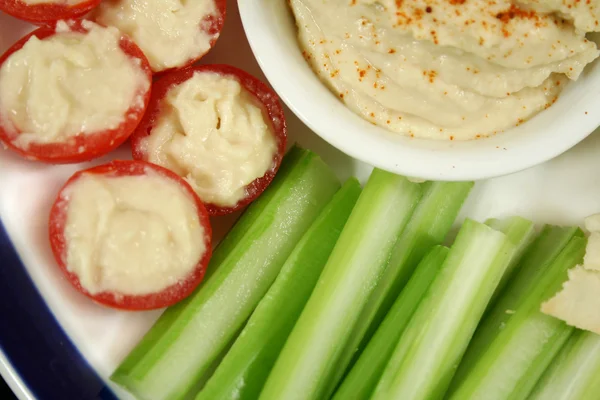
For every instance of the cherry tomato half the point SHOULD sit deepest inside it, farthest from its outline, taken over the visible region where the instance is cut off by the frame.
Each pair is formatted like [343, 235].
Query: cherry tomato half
[82, 147]
[265, 96]
[41, 13]
[60, 246]
[161, 44]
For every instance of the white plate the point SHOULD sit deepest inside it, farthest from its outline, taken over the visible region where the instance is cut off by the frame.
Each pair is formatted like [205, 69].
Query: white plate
[562, 191]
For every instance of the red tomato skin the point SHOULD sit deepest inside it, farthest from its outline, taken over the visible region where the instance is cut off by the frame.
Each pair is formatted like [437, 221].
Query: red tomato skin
[167, 297]
[266, 96]
[44, 13]
[96, 144]
[215, 25]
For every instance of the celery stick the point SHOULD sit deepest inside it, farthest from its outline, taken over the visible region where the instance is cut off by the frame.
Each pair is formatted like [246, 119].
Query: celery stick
[438, 333]
[309, 357]
[428, 226]
[517, 357]
[536, 260]
[574, 372]
[522, 227]
[179, 349]
[365, 374]
[245, 368]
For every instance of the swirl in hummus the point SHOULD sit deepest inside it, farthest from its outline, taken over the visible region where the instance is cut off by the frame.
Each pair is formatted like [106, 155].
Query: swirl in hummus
[447, 69]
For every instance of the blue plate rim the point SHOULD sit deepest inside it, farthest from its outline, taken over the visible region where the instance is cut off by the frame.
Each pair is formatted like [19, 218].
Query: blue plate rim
[13, 380]
[50, 366]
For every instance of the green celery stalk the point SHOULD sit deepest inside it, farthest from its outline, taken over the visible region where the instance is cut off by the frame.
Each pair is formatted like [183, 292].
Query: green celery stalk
[245, 368]
[424, 359]
[574, 373]
[310, 356]
[364, 375]
[429, 226]
[177, 353]
[533, 266]
[522, 226]
[523, 348]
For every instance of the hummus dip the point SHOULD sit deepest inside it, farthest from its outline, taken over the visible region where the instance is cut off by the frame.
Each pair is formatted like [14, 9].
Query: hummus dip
[447, 69]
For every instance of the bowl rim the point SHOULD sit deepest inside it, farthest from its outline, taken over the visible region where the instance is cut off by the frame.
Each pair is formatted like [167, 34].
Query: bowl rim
[414, 157]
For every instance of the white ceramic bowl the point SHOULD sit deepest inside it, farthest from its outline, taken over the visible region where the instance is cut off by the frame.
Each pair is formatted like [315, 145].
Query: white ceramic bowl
[271, 31]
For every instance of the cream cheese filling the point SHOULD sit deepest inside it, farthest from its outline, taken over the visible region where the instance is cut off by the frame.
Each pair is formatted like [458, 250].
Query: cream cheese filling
[215, 134]
[170, 32]
[131, 235]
